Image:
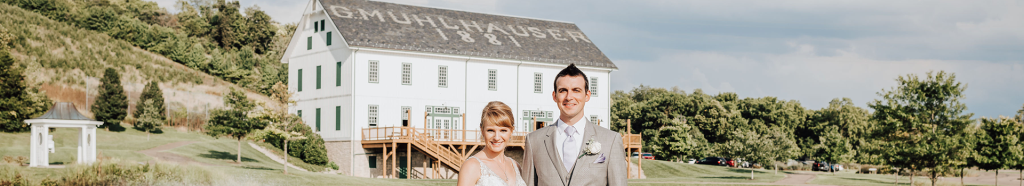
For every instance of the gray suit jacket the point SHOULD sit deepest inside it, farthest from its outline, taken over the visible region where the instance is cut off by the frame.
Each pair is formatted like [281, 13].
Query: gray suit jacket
[542, 164]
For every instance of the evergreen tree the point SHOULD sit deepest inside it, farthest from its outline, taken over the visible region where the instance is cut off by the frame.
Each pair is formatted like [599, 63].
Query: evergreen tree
[13, 83]
[151, 92]
[150, 119]
[111, 106]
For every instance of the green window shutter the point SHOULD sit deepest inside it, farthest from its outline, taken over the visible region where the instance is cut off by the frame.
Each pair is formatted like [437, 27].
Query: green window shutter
[322, 25]
[337, 73]
[300, 80]
[318, 119]
[328, 38]
[309, 43]
[300, 113]
[317, 77]
[337, 118]
[316, 25]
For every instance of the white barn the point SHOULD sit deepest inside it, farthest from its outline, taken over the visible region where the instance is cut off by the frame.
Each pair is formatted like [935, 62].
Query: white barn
[366, 73]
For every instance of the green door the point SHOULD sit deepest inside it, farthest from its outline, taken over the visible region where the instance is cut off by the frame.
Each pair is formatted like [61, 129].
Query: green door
[402, 168]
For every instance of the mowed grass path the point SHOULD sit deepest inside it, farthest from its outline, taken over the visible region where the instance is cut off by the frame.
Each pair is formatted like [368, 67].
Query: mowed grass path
[255, 168]
[672, 173]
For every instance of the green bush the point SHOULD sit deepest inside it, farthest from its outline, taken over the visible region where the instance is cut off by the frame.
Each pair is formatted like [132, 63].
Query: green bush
[332, 165]
[311, 150]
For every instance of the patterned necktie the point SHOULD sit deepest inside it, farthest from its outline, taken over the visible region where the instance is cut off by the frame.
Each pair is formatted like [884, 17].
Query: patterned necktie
[569, 149]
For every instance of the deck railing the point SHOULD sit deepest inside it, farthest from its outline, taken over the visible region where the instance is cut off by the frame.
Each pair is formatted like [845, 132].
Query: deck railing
[438, 135]
[632, 140]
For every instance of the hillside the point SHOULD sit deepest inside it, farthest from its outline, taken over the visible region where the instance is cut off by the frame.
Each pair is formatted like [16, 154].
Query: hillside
[66, 62]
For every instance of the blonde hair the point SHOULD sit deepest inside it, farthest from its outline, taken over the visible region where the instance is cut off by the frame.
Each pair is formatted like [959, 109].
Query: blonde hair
[498, 114]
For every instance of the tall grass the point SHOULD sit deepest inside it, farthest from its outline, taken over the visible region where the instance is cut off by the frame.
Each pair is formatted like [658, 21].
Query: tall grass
[112, 172]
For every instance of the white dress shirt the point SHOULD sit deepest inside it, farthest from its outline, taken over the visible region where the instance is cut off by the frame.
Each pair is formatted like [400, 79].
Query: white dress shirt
[561, 135]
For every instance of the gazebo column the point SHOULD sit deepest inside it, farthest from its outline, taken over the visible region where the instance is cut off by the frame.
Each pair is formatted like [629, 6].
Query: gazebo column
[81, 146]
[91, 144]
[42, 156]
[34, 147]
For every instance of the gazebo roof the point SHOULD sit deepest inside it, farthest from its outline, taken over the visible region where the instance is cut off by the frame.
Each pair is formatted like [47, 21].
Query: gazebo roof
[64, 111]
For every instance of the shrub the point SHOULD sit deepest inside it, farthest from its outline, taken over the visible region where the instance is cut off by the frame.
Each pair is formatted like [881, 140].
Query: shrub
[332, 165]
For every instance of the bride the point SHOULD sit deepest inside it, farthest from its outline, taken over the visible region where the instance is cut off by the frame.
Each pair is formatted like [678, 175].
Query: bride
[490, 166]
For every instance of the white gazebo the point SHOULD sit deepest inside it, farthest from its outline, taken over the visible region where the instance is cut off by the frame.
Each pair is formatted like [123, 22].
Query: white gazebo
[64, 115]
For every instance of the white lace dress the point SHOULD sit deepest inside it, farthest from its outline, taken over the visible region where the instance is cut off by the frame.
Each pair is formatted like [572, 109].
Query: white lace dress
[489, 178]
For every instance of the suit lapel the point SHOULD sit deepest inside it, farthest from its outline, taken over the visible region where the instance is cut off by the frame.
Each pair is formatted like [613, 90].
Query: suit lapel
[588, 133]
[556, 159]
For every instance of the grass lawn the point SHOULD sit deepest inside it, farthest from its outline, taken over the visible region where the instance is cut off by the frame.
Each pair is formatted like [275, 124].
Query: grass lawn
[255, 169]
[850, 178]
[670, 173]
[121, 145]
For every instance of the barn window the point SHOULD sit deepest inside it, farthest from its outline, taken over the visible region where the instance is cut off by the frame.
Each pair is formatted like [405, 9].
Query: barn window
[442, 76]
[537, 78]
[372, 120]
[373, 71]
[492, 79]
[406, 73]
[593, 86]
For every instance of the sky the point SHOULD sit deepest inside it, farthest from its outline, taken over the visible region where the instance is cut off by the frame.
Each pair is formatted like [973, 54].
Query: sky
[805, 50]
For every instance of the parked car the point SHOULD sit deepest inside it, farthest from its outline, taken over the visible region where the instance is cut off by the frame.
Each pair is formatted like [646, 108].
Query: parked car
[824, 166]
[648, 156]
[712, 161]
[731, 162]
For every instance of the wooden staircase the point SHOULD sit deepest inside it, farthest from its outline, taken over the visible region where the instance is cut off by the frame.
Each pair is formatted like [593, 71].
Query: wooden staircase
[427, 145]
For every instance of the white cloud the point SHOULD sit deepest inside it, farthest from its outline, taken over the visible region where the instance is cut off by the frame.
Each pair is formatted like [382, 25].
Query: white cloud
[814, 79]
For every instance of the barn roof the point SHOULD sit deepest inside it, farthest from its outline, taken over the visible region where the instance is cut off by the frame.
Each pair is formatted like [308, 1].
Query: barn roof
[374, 24]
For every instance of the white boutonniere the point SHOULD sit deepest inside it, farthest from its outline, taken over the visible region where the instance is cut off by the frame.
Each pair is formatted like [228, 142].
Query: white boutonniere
[592, 148]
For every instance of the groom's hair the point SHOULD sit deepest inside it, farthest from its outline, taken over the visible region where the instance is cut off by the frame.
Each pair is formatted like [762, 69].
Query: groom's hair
[498, 114]
[571, 70]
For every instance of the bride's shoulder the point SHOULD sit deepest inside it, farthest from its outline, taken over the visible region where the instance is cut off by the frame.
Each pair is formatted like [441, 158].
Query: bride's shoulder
[470, 163]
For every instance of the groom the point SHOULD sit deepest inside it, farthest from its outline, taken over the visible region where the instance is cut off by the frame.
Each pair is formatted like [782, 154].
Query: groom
[573, 151]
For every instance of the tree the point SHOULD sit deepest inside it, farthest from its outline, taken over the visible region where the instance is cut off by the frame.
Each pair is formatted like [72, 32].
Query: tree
[748, 145]
[111, 105]
[17, 101]
[844, 121]
[229, 25]
[922, 120]
[782, 146]
[999, 146]
[261, 29]
[234, 121]
[150, 119]
[833, 147]
[152, 93]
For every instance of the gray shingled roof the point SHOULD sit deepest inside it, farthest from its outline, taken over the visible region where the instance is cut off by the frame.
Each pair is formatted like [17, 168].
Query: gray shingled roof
[393, 26]
[63, 111]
